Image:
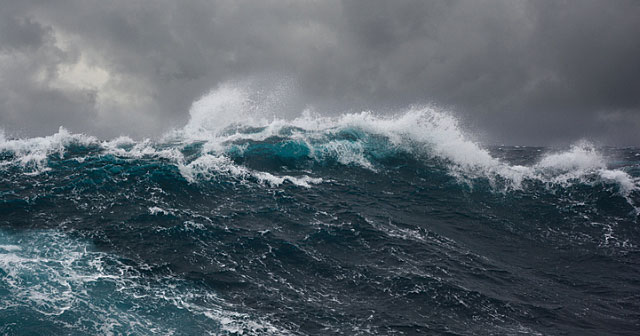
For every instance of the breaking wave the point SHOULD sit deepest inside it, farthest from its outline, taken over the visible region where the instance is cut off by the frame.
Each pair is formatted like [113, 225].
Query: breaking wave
[225, 129]
[242, 222]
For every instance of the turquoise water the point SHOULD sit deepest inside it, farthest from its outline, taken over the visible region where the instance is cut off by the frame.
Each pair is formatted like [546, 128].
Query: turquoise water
[359, 225]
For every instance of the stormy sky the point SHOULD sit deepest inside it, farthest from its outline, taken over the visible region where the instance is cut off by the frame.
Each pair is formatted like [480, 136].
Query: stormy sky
[516, 72]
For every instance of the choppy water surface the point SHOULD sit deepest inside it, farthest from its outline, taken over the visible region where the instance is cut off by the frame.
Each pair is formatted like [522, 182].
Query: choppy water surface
[351, 225]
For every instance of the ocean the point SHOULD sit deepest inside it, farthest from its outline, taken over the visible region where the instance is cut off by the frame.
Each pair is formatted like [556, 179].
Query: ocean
[359, 224]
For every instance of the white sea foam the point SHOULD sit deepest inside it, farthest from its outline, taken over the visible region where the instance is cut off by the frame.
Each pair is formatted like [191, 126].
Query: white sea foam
[210, 166]
[32, 153]
[10, 248]
[158, 210]
[50, 273]
[221, 118]
[231, 115]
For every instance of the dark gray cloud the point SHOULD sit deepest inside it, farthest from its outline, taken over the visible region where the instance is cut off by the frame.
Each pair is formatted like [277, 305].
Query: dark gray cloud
[531, 72]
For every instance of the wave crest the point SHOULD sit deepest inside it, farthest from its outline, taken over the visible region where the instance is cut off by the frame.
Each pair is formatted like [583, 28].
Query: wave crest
[230, 124]
[226, 121]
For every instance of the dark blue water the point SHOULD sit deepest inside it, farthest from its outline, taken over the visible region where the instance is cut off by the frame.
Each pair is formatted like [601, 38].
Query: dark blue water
[345, 229]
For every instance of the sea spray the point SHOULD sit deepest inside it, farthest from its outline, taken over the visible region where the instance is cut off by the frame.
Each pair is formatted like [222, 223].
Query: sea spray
[243, 222]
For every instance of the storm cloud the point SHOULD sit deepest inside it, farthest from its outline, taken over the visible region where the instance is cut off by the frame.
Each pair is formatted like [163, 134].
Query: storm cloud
[517, 72]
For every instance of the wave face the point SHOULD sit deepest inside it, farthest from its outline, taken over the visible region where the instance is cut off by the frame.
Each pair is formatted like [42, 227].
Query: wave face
[243, 223]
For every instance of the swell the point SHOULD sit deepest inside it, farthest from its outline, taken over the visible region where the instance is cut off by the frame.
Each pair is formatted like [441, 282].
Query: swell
[312, 221]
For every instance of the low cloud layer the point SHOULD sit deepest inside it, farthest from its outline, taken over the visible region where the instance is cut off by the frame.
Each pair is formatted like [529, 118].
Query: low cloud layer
[519, 72]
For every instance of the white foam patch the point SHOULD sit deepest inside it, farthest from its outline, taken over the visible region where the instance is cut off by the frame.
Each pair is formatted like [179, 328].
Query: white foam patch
[158, 210]
[51, 274]
[346, 152]
[126, 148]
[32, 153]
[10, 248]
[626, 182]
[211, 166]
